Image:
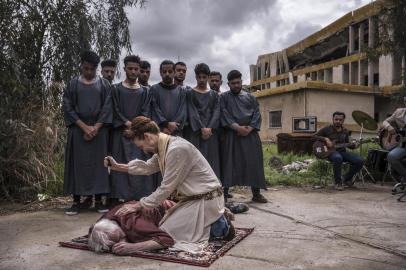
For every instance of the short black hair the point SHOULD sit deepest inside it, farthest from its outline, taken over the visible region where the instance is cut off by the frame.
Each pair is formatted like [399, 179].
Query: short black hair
[108, 63]
[132, 59]
[145, 64]
[166, 62]
[339, 113]
[202, 68]
[234, 74]
[179, 64]
[216, 73]
[90, 57]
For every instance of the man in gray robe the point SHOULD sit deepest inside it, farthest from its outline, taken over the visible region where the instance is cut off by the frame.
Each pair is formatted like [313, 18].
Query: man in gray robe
[168, 102]
[129, 101]
[204, 118]
[88, 113]
[242, 157]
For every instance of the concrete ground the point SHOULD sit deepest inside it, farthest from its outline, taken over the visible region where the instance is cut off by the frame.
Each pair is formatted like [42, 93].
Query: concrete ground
[363, 228]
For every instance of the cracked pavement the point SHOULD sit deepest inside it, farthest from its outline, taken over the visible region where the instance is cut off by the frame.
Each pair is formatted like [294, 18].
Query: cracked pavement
[300, 228]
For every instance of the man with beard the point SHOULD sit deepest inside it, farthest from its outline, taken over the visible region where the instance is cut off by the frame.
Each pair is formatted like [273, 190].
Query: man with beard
[87, 112]
[180, 73]
[242, 158]
[168, 101]
[333, 134]
[145, 72]
[129, 101]
[109, 68]
[215, 81]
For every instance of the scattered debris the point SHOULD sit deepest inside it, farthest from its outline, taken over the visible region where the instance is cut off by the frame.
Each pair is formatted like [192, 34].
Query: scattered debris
[300, 166]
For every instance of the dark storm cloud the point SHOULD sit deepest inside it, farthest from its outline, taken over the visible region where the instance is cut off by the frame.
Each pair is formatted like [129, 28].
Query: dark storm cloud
[180, 28]
[226, 34]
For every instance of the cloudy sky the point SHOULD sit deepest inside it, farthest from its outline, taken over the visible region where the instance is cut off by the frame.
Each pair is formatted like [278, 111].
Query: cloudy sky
[226, 34]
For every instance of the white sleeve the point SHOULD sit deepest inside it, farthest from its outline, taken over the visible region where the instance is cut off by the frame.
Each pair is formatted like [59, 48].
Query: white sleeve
[140, 167]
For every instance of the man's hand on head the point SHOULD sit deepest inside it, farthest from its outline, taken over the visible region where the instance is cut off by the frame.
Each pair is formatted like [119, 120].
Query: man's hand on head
[129, 208]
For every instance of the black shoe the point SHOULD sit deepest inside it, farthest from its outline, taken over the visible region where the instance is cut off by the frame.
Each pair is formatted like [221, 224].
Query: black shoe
[259, 198]
[237, 208]
[100, 207]
[73, 210]
[86, 204]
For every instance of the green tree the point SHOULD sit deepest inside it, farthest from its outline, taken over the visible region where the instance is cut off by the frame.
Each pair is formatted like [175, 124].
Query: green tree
[392, 34]
[40, 44]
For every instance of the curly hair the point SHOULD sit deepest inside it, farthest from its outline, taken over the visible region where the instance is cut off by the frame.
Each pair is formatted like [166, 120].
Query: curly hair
[139, 126]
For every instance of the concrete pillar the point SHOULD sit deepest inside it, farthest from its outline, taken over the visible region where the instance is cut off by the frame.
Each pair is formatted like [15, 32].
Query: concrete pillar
[386, 69]
[328, 75]
[370, 73]
[351, 41]
[360, 72]
[253, 74]
[338, 74]
[371, 32]
[361, 33]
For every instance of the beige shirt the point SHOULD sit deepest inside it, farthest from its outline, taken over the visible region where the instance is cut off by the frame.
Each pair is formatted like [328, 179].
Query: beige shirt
[189, 173]
[396, 120]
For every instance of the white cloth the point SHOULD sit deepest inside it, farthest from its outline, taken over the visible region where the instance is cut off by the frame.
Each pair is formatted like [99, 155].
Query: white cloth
[188, 173]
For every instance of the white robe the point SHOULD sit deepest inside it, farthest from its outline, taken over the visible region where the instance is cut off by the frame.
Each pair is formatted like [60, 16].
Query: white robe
[189, 173]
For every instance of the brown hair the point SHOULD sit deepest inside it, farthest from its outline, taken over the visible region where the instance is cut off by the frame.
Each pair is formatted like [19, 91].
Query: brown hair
[139, 126]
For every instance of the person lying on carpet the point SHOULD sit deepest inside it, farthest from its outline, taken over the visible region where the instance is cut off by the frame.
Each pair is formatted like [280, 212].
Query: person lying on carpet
[188, 175]
[124, 234]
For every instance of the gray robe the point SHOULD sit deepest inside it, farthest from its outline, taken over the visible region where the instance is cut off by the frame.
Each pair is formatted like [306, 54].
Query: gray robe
[84, 172]
[169, 105]
[204, 112]
[128, 104]
[242, 157]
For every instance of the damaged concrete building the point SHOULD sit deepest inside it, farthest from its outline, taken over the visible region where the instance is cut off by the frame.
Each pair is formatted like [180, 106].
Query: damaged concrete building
[326, 72]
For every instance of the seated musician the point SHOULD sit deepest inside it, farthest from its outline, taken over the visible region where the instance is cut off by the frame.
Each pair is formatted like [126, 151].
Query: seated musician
[334, 134]
[392, 124]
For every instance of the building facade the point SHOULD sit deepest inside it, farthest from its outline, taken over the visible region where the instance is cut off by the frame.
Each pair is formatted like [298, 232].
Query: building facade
[326, 72]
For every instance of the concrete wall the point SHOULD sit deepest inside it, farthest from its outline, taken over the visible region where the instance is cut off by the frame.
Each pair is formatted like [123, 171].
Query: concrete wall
[323, 103]
[291, 104]
[311, 102]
